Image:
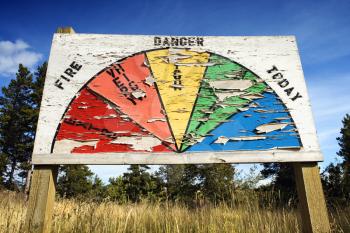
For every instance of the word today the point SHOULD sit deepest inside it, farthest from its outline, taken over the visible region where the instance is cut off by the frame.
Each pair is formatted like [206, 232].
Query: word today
[284, 83]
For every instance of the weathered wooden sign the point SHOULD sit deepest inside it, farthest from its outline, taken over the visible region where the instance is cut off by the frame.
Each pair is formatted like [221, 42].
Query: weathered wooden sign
[172, 100]
[114, 99]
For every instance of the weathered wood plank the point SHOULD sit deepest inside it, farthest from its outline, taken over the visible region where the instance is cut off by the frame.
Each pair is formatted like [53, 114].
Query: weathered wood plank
[313, 210]
[41, 199]
[177, 158]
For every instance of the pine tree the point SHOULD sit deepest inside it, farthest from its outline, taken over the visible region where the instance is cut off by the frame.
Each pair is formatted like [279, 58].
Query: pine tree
[98, 189]
[332, 182]
[180, 182]
[138, 182]
[217, 182]
[36, 96]
[115, 190]
[16, 127]
[344, 153]
[283, 181]
[75, 181]
[38, 87]
[188, 183]
[3, 165]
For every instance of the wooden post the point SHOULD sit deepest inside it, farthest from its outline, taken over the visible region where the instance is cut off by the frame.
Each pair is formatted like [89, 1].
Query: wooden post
[312, 204]
[42, 190]
[65, 30]
[41, 199]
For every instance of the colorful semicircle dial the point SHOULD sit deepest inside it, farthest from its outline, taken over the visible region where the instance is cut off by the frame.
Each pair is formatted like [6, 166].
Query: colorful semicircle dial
[175, 100]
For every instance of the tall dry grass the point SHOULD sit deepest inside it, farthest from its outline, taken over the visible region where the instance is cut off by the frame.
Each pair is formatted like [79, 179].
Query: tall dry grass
[245, 214]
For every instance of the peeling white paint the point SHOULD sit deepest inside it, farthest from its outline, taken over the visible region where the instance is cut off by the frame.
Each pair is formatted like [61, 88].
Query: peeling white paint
[206, 111]
[196, 64]
[243, 109]
[265, 111]
[106, 117]
[145, 63]
[176, 56]
[138, 94]
[200, 139]
[222, 140]
[66, 146]
[170, 140]
[150, 80]
[254, 105]
[177, 86]
[266, 128]
[235, 74]
[252, 96]
[121, 132]
[282, 118]
[231, 84]
[248, 138]
[223, 95]
[156, 119]
[144, 143]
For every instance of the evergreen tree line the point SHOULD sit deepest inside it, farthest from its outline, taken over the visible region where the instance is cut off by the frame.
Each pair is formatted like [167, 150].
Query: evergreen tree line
[178, 183]
[19, 110]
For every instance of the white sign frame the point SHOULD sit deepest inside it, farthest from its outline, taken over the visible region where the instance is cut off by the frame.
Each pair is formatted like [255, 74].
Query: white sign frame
[94, 52]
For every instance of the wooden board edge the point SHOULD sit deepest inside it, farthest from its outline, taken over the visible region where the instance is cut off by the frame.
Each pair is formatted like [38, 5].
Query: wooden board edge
[183, 158]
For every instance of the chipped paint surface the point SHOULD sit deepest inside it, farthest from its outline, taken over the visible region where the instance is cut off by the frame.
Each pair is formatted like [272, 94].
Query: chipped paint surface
[222, 140]
[123, 85]
[231, 84]
[107, 93]
[178, 84]
[66, 146]
[139, 143]
[223, 93]
[174, 103]
[248, 138]
[254, 130]
[267, 128]
[99, 126]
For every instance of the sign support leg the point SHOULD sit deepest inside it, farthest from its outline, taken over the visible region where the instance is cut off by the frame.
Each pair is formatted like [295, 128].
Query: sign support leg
[312, 204]
[42, 189]
[41, 199]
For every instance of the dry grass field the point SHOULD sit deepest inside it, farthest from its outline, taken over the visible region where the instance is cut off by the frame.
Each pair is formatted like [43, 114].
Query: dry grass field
[245, 216]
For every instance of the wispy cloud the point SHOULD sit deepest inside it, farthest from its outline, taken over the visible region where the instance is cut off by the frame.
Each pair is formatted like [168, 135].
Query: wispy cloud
[330, 96]
[14, 53]
[322, 29]
[330, 102]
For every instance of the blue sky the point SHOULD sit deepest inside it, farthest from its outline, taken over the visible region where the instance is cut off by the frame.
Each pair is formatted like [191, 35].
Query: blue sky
[321, 27]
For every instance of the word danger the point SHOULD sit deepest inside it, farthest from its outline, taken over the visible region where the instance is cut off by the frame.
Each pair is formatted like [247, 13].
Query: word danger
[178, 41]
[284, 83]
[68, 74]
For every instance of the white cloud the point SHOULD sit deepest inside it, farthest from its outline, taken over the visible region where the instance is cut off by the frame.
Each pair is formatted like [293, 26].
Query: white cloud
[321, 28]
[14, 53]
[329, 95]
